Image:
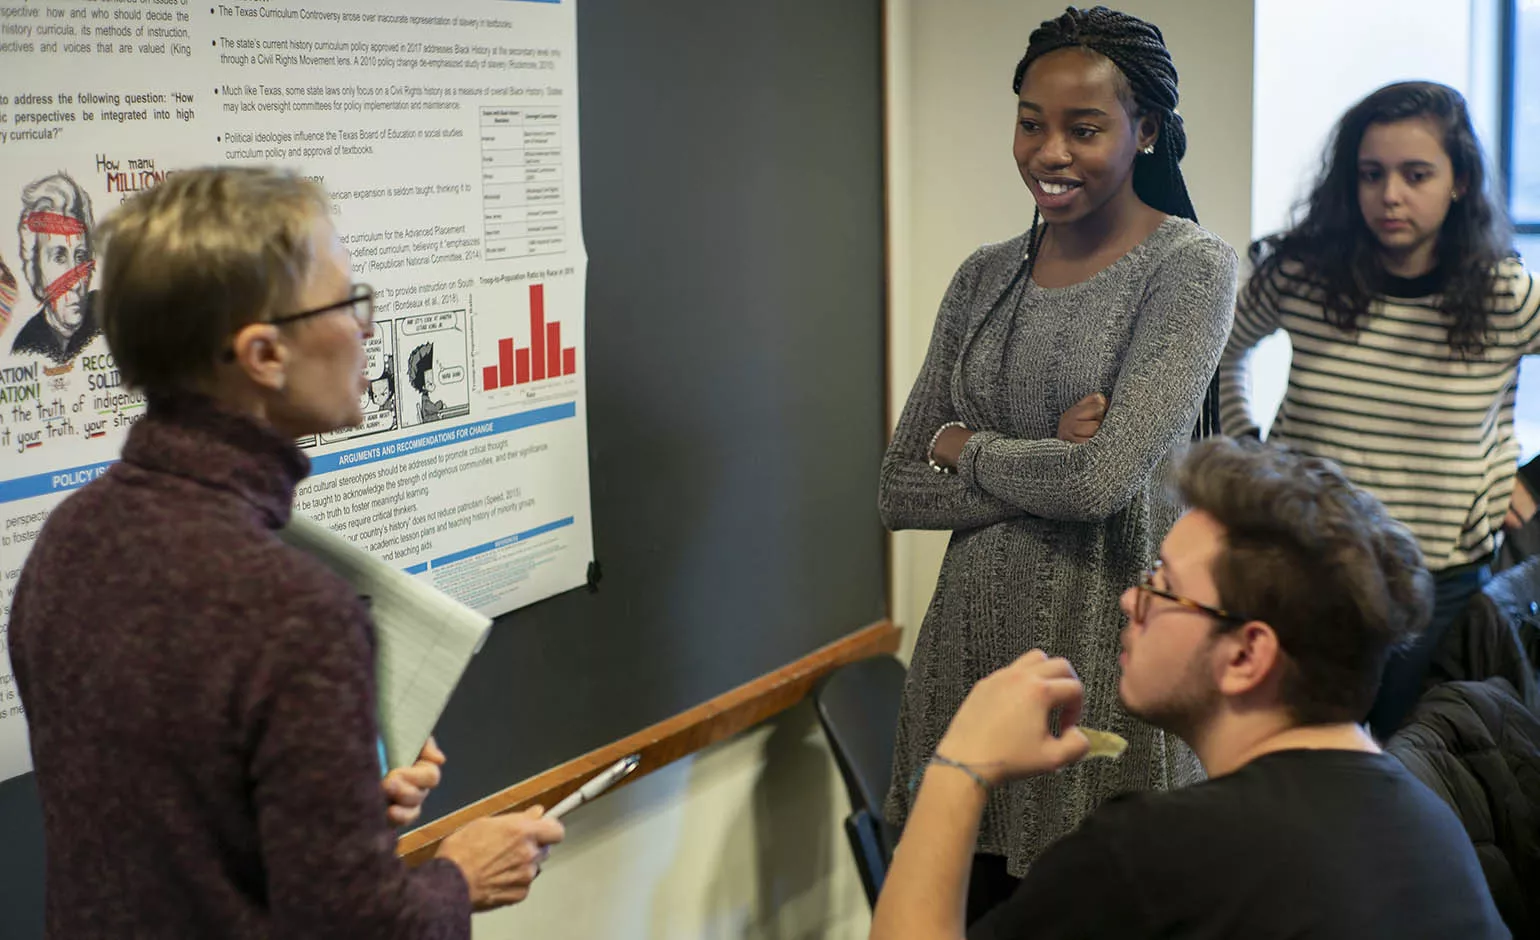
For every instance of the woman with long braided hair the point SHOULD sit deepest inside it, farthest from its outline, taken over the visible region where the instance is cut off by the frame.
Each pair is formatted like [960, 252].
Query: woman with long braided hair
[1066, 367]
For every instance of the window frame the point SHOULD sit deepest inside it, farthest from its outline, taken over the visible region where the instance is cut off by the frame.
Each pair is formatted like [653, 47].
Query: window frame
[1508, 43]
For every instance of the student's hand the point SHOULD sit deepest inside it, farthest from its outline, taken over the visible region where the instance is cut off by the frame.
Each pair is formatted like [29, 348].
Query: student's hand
[407, 787]
[1001, 730]
[500, 856]
[949, 446]
[1521, 507]
[1083, 419]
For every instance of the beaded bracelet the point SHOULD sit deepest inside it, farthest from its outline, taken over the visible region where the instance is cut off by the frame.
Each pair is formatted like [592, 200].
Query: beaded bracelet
[930, 452]
[978, 778]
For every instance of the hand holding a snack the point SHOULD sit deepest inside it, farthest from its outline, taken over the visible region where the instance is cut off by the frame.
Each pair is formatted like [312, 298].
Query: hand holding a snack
[1003, 731]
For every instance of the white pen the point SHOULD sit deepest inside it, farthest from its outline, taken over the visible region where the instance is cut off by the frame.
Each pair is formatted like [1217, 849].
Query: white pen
[617, 772]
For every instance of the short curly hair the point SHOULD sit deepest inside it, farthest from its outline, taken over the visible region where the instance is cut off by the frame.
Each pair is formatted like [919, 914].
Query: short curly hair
[1319, 560]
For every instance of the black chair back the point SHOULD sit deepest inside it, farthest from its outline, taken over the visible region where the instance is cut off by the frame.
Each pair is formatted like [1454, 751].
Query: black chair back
[857, 706]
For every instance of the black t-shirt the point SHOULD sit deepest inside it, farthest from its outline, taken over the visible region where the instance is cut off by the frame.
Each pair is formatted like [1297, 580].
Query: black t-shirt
[1309, 844]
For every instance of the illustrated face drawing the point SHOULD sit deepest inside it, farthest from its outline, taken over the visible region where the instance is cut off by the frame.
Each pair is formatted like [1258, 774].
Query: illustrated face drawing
[56, 250]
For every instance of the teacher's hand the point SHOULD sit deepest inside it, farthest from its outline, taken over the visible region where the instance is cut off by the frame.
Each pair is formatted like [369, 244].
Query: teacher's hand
[500, 856]
[1083, 419]
[407, 787]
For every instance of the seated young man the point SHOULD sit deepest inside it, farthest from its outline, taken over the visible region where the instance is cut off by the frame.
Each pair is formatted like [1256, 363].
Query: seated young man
[1258, 639]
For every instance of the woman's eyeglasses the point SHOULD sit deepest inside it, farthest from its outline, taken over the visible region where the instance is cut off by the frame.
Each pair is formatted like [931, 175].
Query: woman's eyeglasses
[360, 303]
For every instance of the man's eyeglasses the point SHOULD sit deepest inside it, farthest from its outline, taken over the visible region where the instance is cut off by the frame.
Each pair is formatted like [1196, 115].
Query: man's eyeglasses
[1147, 588]
[360, 303]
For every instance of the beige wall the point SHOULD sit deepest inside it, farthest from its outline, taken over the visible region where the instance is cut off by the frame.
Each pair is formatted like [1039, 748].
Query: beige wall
[744, 840]
[953, 185]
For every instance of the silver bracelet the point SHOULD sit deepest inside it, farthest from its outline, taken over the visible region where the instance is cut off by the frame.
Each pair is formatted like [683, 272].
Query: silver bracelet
[978, 778]
[930, 452]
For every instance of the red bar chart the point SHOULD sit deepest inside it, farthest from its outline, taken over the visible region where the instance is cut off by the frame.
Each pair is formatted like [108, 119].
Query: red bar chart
[544, 357]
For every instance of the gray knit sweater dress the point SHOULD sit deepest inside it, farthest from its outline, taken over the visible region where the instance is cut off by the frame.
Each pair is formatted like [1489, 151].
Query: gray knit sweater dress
[1046, 535]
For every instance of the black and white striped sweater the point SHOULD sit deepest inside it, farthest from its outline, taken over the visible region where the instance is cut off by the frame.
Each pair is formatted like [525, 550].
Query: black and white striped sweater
[1426, 431]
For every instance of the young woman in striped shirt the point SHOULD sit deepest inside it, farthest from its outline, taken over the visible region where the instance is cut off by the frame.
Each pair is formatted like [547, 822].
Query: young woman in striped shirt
[1408, 313]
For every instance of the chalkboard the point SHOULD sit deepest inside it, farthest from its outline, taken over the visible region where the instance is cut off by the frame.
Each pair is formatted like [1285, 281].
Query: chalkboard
[733, 212]
[732, 167]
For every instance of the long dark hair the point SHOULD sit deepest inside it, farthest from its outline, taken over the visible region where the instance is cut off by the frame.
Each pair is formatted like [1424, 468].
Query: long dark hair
[1340, 255]
[1139, 51]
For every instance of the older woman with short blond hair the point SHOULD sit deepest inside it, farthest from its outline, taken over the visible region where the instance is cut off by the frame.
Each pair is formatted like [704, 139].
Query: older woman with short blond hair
[201, 696]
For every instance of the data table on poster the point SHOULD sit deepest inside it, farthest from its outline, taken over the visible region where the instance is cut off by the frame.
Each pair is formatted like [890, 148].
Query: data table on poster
[522, 190]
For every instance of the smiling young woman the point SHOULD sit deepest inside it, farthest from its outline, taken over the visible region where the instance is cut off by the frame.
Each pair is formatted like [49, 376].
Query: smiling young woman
[1066, 366]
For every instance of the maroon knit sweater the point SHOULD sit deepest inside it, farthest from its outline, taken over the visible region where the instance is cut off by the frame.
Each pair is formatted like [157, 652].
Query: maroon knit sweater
[201, 705]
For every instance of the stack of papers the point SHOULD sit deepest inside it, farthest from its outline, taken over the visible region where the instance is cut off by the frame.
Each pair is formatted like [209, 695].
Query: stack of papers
[424, 638]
